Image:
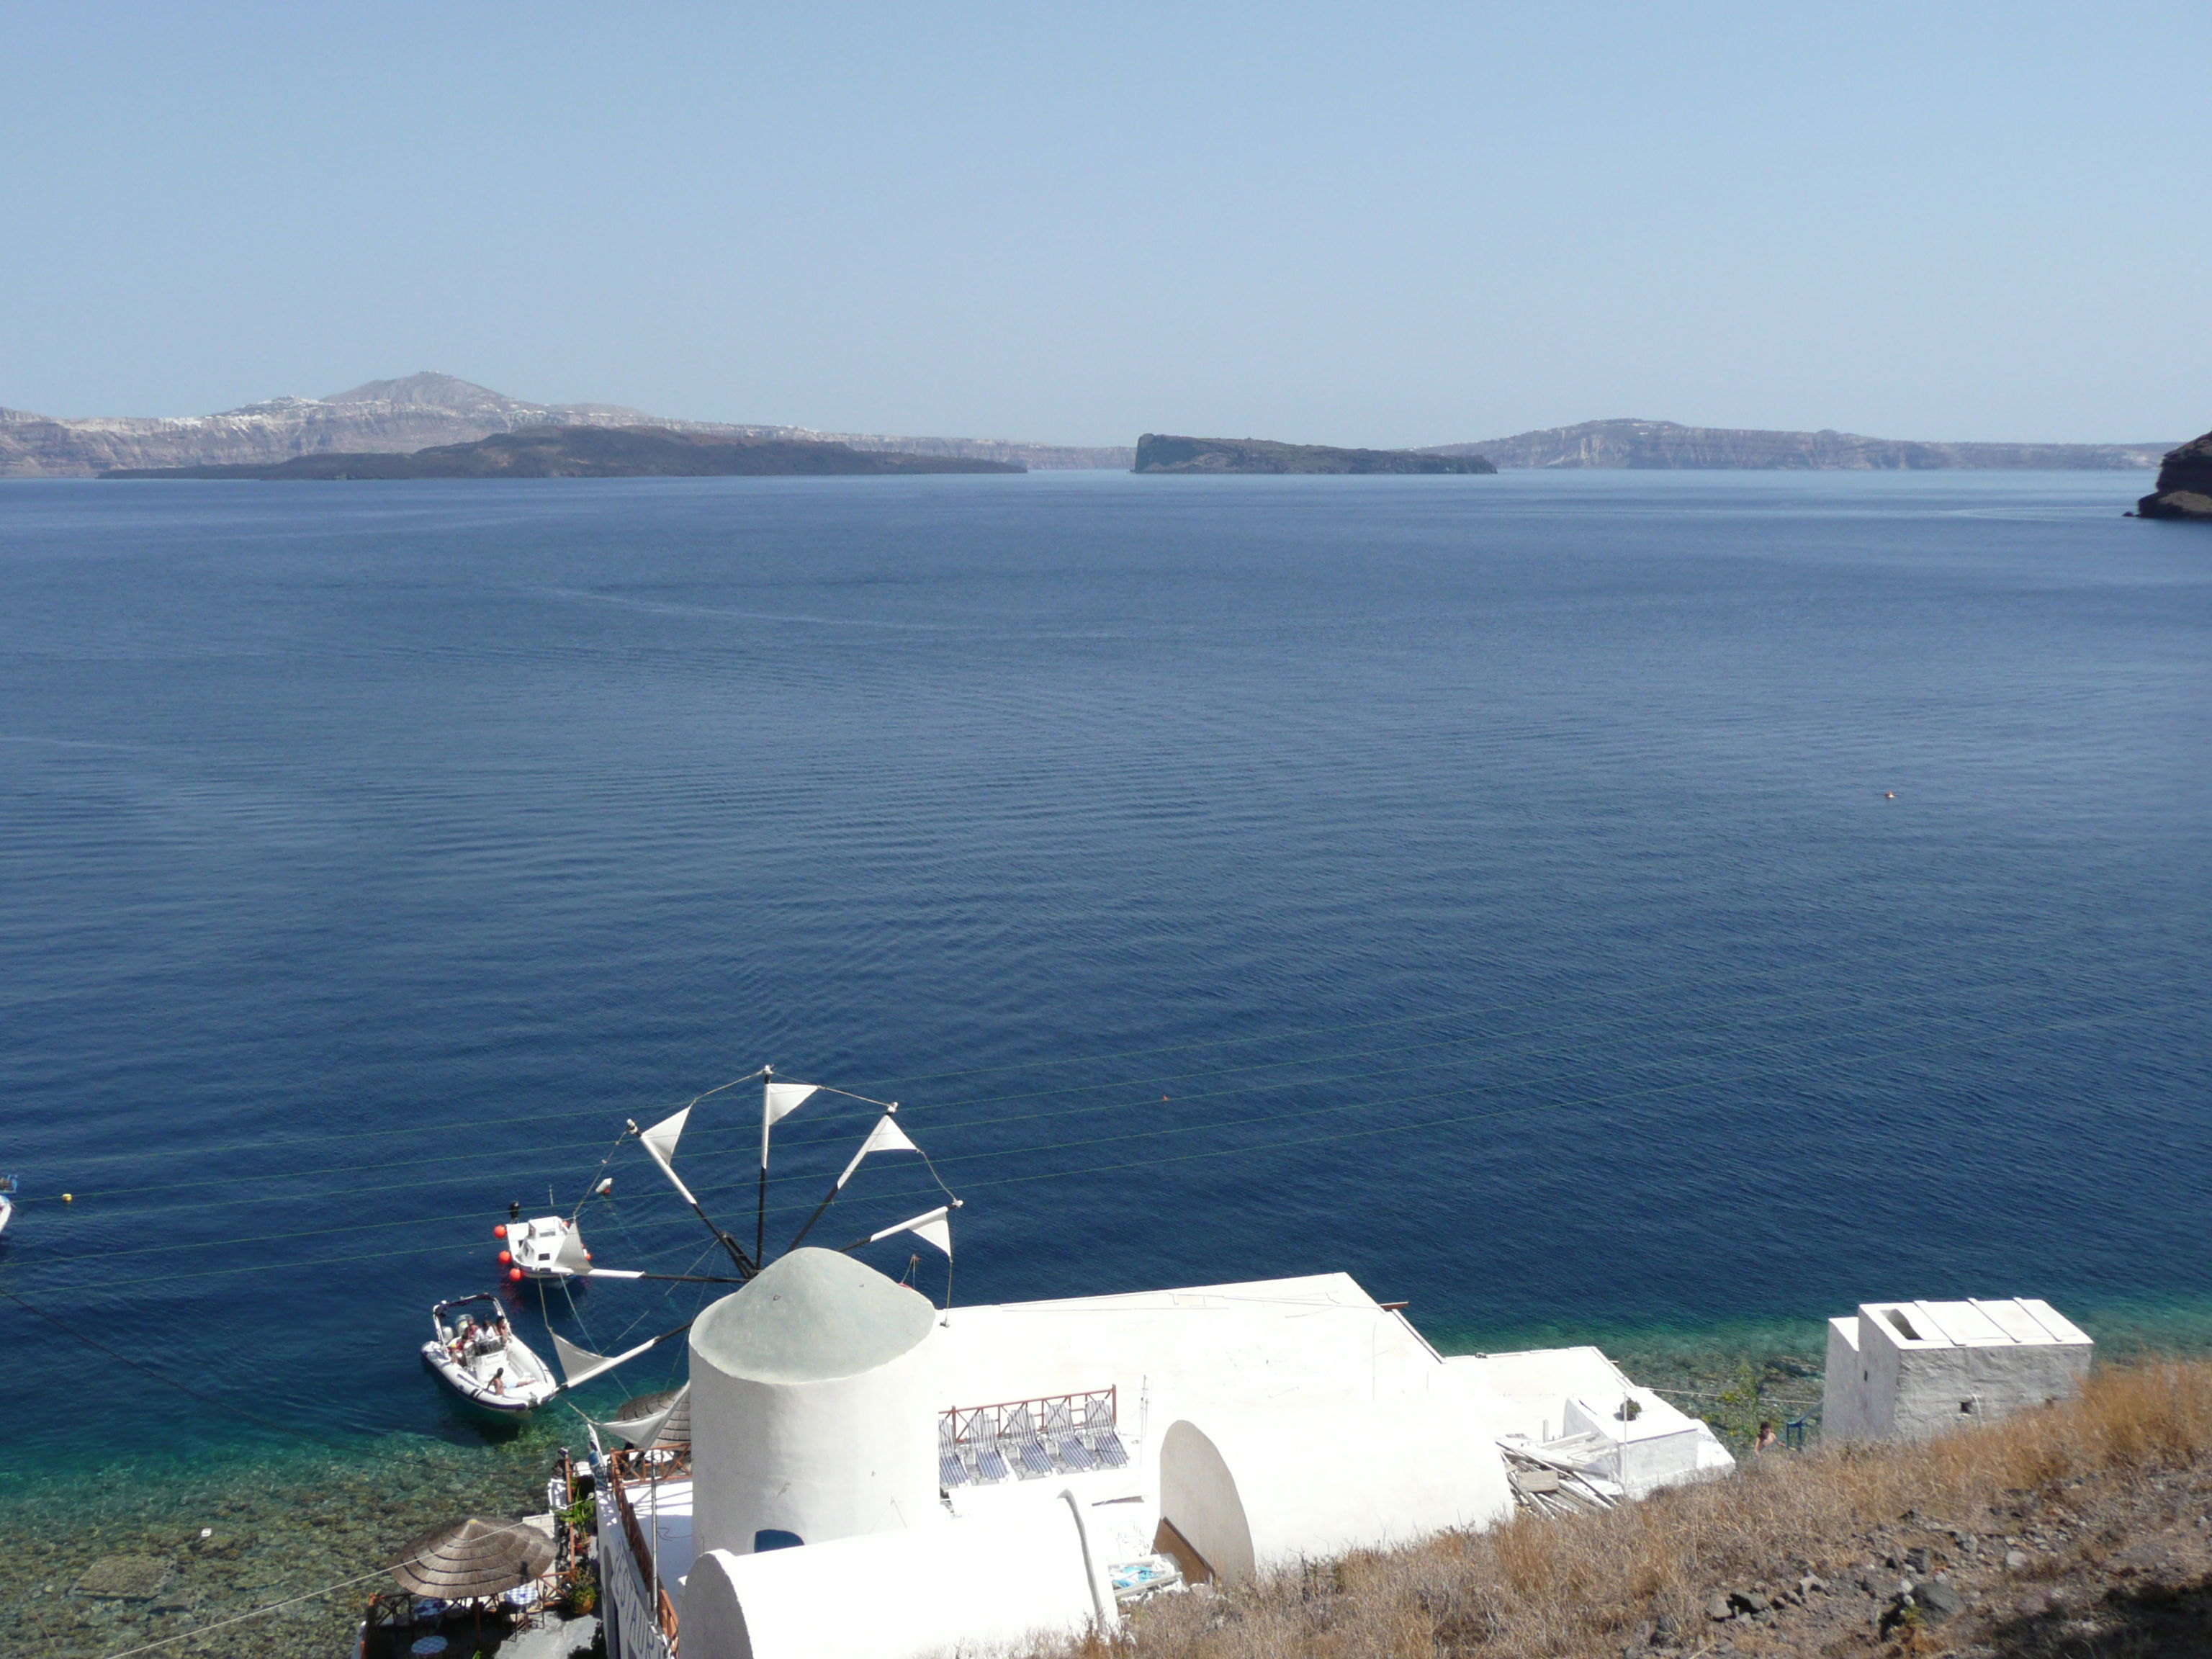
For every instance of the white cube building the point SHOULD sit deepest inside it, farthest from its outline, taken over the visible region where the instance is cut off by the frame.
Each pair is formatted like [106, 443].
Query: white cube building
[873, 1478]
[1909, 1370]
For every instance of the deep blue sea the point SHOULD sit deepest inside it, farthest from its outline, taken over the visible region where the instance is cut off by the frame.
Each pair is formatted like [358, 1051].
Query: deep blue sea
[1582, 905]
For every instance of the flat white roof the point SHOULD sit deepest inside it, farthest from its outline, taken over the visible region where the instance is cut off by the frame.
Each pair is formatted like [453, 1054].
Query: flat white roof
[2018, 1321]
[1249, 1343]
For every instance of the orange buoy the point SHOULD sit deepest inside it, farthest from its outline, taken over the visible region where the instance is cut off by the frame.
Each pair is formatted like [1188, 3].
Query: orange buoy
[500, 1232]
[515, 1274]
[505, 1257]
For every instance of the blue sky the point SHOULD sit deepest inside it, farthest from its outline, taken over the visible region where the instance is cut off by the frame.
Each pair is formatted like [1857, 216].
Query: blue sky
[1388, 225]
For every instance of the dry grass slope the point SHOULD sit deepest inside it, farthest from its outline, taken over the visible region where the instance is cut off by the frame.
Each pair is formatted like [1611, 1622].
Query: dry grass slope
[2080, 1530]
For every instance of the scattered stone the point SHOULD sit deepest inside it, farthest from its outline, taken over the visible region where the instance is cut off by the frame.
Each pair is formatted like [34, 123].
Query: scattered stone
[1748, 1602]
[1937, 1601]
[2015, 1560]
[124, 1578]
[1810, 1584]
[1667, 1631]
[1721, 1607]
[1916, 1559]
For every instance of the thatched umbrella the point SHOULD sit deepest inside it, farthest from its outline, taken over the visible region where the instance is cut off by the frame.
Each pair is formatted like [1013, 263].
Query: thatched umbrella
[469, 1560]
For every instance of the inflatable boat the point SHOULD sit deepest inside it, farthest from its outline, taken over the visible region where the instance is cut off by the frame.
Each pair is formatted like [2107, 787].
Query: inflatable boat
[475, 1353]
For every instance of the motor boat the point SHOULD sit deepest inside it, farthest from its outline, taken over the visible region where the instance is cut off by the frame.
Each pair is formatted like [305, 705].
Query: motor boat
[547, 1247]
[7, 1200]
[475, 1352]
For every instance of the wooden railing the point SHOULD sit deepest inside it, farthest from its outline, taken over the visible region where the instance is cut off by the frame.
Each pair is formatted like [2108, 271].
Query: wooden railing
[1052, 1413]
[624, 1468]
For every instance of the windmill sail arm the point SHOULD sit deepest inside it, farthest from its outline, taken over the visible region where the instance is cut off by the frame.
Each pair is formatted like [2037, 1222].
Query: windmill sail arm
[579, 1365]
[934, 1225]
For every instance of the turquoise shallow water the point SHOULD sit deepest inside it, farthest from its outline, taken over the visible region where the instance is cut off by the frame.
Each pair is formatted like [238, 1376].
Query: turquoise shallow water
[1491, 887]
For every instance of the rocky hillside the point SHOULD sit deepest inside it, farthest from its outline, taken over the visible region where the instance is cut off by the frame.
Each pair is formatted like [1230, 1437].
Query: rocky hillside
[1160, 452]
[1662, 443]
[2185, 484]
[595, 451]
[417, 412]
[2076, 1532]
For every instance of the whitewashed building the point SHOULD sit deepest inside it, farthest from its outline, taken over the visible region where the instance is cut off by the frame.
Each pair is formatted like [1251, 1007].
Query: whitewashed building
[869, 1477]
[1908, 1369]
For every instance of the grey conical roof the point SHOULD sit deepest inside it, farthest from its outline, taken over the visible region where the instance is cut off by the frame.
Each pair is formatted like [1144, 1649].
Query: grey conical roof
[809, 1316]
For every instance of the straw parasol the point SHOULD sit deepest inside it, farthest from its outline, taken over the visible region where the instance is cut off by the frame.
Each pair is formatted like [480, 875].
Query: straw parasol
[466, 1559]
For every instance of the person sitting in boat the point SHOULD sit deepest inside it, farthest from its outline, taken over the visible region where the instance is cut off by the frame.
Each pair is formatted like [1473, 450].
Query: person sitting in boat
[499, 1381]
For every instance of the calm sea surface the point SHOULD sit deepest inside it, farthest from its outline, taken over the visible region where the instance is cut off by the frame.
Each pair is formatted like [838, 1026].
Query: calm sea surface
[1587, 906]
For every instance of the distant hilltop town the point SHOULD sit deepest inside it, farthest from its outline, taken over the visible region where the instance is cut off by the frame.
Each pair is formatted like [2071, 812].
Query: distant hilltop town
[429, 411]
[421, 411]
[1658, 445]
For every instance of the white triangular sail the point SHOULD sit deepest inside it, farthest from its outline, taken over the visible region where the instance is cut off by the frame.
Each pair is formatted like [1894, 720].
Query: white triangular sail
[660, 1144]
[570, 1253]
[936, 1226]
[885, 1137]
[938, 1232]
[778, 1102]
[576, 1364]
[660, 1139]
[579, 1365]
[670, 1425]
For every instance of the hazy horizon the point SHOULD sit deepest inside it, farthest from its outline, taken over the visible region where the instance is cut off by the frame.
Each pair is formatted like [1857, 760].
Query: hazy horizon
[1429, 226]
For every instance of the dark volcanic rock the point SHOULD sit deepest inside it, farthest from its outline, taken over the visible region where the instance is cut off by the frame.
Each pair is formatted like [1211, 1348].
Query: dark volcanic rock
[2185, 484]
[595, 451]
[1161, 453]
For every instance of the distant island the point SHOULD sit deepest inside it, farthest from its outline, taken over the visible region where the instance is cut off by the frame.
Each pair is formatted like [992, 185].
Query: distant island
[593, 451]
[2185, 484]
[415, 412]
[1161, 453]
[1657, 445]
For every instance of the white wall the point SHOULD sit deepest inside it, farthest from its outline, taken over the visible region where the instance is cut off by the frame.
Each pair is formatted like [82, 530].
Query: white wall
[1313, 1481]
[974, 1586]
[1915, 1368]
[823, 1460]
[1656, 1448]
[1842, 1388]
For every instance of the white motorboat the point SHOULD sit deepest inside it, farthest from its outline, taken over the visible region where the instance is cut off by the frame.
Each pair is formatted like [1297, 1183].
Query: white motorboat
[547, 1247]
[7, 1202]
[475, 1353]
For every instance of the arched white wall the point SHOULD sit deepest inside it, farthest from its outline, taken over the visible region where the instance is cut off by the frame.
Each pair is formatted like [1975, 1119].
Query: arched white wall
[1311, 1482]
[1199, 1497]
[965, 1585]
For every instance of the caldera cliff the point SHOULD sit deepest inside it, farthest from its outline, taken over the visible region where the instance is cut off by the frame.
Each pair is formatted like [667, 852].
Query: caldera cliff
[2185, 484]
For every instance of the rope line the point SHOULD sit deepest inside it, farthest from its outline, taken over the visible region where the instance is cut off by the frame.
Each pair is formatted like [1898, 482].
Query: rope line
[801, 1143]
[162, 1378]
[1183, 1127]
[1763, 986]
[276, 1607]
[1590, 1101]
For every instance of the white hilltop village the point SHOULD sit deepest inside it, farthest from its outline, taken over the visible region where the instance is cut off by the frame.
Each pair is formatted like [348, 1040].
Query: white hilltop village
[416, 411]
[853, 1472]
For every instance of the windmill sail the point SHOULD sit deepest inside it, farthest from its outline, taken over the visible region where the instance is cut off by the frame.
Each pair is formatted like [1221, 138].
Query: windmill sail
[579, 1365]
[660, 1144]
[885, 1137]
[934, 1225]
[778, 1102]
